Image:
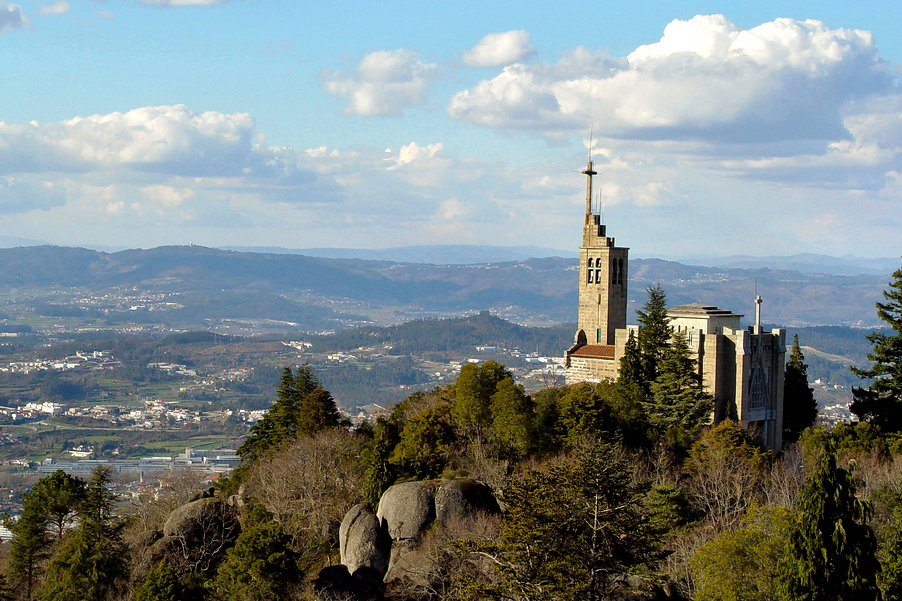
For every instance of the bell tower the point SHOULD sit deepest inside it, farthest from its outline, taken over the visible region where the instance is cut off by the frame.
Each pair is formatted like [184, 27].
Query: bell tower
[603, 270]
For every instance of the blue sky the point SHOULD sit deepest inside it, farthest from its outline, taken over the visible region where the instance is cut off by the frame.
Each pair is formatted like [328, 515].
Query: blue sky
[719, 127]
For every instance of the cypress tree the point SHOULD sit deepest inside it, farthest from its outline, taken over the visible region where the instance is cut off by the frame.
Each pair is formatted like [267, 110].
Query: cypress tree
[832, 551]
[881, 402]
[316, 412]
[654, 333]
[799, 406]
[678, 404]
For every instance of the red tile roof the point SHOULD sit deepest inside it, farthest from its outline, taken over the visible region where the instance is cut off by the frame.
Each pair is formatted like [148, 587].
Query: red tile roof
[600, 351]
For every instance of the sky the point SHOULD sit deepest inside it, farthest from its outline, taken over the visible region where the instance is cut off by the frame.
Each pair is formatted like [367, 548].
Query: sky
[717, 128]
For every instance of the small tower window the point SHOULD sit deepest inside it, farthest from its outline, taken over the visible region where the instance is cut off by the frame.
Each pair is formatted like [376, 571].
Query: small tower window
[597, 276]
[589, 276]
[620, 271]
[590, 263]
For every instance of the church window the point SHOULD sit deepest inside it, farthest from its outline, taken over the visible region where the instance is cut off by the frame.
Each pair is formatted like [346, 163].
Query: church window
[620, 271]
[589, 276]
[590, 263]
[597, 276]
[597, 335]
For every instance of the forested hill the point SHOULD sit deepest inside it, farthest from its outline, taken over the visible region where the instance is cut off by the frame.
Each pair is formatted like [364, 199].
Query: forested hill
[458, 335]
[198, 288]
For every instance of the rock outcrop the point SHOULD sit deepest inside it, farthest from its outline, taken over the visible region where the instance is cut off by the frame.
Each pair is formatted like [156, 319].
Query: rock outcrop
[364, 541]
[383, 543]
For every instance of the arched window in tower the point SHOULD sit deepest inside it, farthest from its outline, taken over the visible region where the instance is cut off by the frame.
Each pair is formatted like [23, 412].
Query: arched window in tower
[620, 272]
[614, 272]
[597, 275]
[589, 278]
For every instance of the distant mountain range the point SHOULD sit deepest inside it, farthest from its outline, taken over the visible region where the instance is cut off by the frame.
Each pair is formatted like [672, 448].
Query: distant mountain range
[197, 287]
[463, 254]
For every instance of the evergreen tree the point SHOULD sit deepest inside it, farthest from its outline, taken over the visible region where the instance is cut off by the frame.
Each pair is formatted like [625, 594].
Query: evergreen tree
[161, 584]
[881, 402]
[678, 404]
[799, 406]
[261, 566]
[473, 392]
[47, 510]
[59, 494]
[654, 333]
[316, 412]
[29, 547]
[378, 471]
[630, 371]
[91, 564]
[570, 532]
[424, 445]
[832, 551]
[302, 407]
[512, 418]
[890, 576]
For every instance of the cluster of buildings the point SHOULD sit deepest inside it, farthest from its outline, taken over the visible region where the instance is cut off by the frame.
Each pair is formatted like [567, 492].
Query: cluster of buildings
[87, 360]
[742, 368]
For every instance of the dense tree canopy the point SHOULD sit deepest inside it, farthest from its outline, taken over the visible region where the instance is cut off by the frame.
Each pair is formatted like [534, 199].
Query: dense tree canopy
[881, 402]
[799, 405]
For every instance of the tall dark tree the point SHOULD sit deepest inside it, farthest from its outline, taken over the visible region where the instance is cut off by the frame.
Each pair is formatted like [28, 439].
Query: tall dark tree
[48, 510]
[832, 550]
[881, 402]
[29, 547]
[473, 392]
[261, 566]
[60, 495]
[316, 412]
[570, 532]
[678, 403]
[91, 564]
[654, 333]
[302, 406]
[799, 406]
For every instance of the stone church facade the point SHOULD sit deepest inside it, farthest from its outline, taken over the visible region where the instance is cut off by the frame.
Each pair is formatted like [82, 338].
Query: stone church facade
[741, 368]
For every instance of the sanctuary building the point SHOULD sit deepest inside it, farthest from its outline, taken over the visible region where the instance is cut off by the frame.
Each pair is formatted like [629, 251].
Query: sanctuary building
[741, 368]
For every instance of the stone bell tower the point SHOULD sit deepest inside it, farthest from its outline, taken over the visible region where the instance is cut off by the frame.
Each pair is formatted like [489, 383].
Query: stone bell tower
[603, 278]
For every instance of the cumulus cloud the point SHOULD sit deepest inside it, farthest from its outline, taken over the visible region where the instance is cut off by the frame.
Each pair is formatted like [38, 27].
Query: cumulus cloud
[384, 83]
[57, 8]
[11, 17]
[164, 138]
[499, 49]
[704, 79]
[414, 152]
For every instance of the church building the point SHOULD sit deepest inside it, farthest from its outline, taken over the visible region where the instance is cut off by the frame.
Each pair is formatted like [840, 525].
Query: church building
[741, 368]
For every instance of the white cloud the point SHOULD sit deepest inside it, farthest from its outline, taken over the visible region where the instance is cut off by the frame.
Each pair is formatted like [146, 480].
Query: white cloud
[11, 17]
[57, 8]
[705, 79]
[384, 83]
[499, 49]
[163, 138]
[414, 152]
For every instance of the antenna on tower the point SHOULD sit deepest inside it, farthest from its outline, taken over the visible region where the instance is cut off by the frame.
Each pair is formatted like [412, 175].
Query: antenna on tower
[591, 131]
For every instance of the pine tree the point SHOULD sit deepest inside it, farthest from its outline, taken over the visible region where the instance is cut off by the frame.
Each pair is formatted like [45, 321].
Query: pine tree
[29, 547]
[881, 402]
[832, 551]
[570, 532]
[654, 333]
[302, 407]
[91, 564]
[799, 406]
[678, 403]
[60, 495]
[261, 566]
